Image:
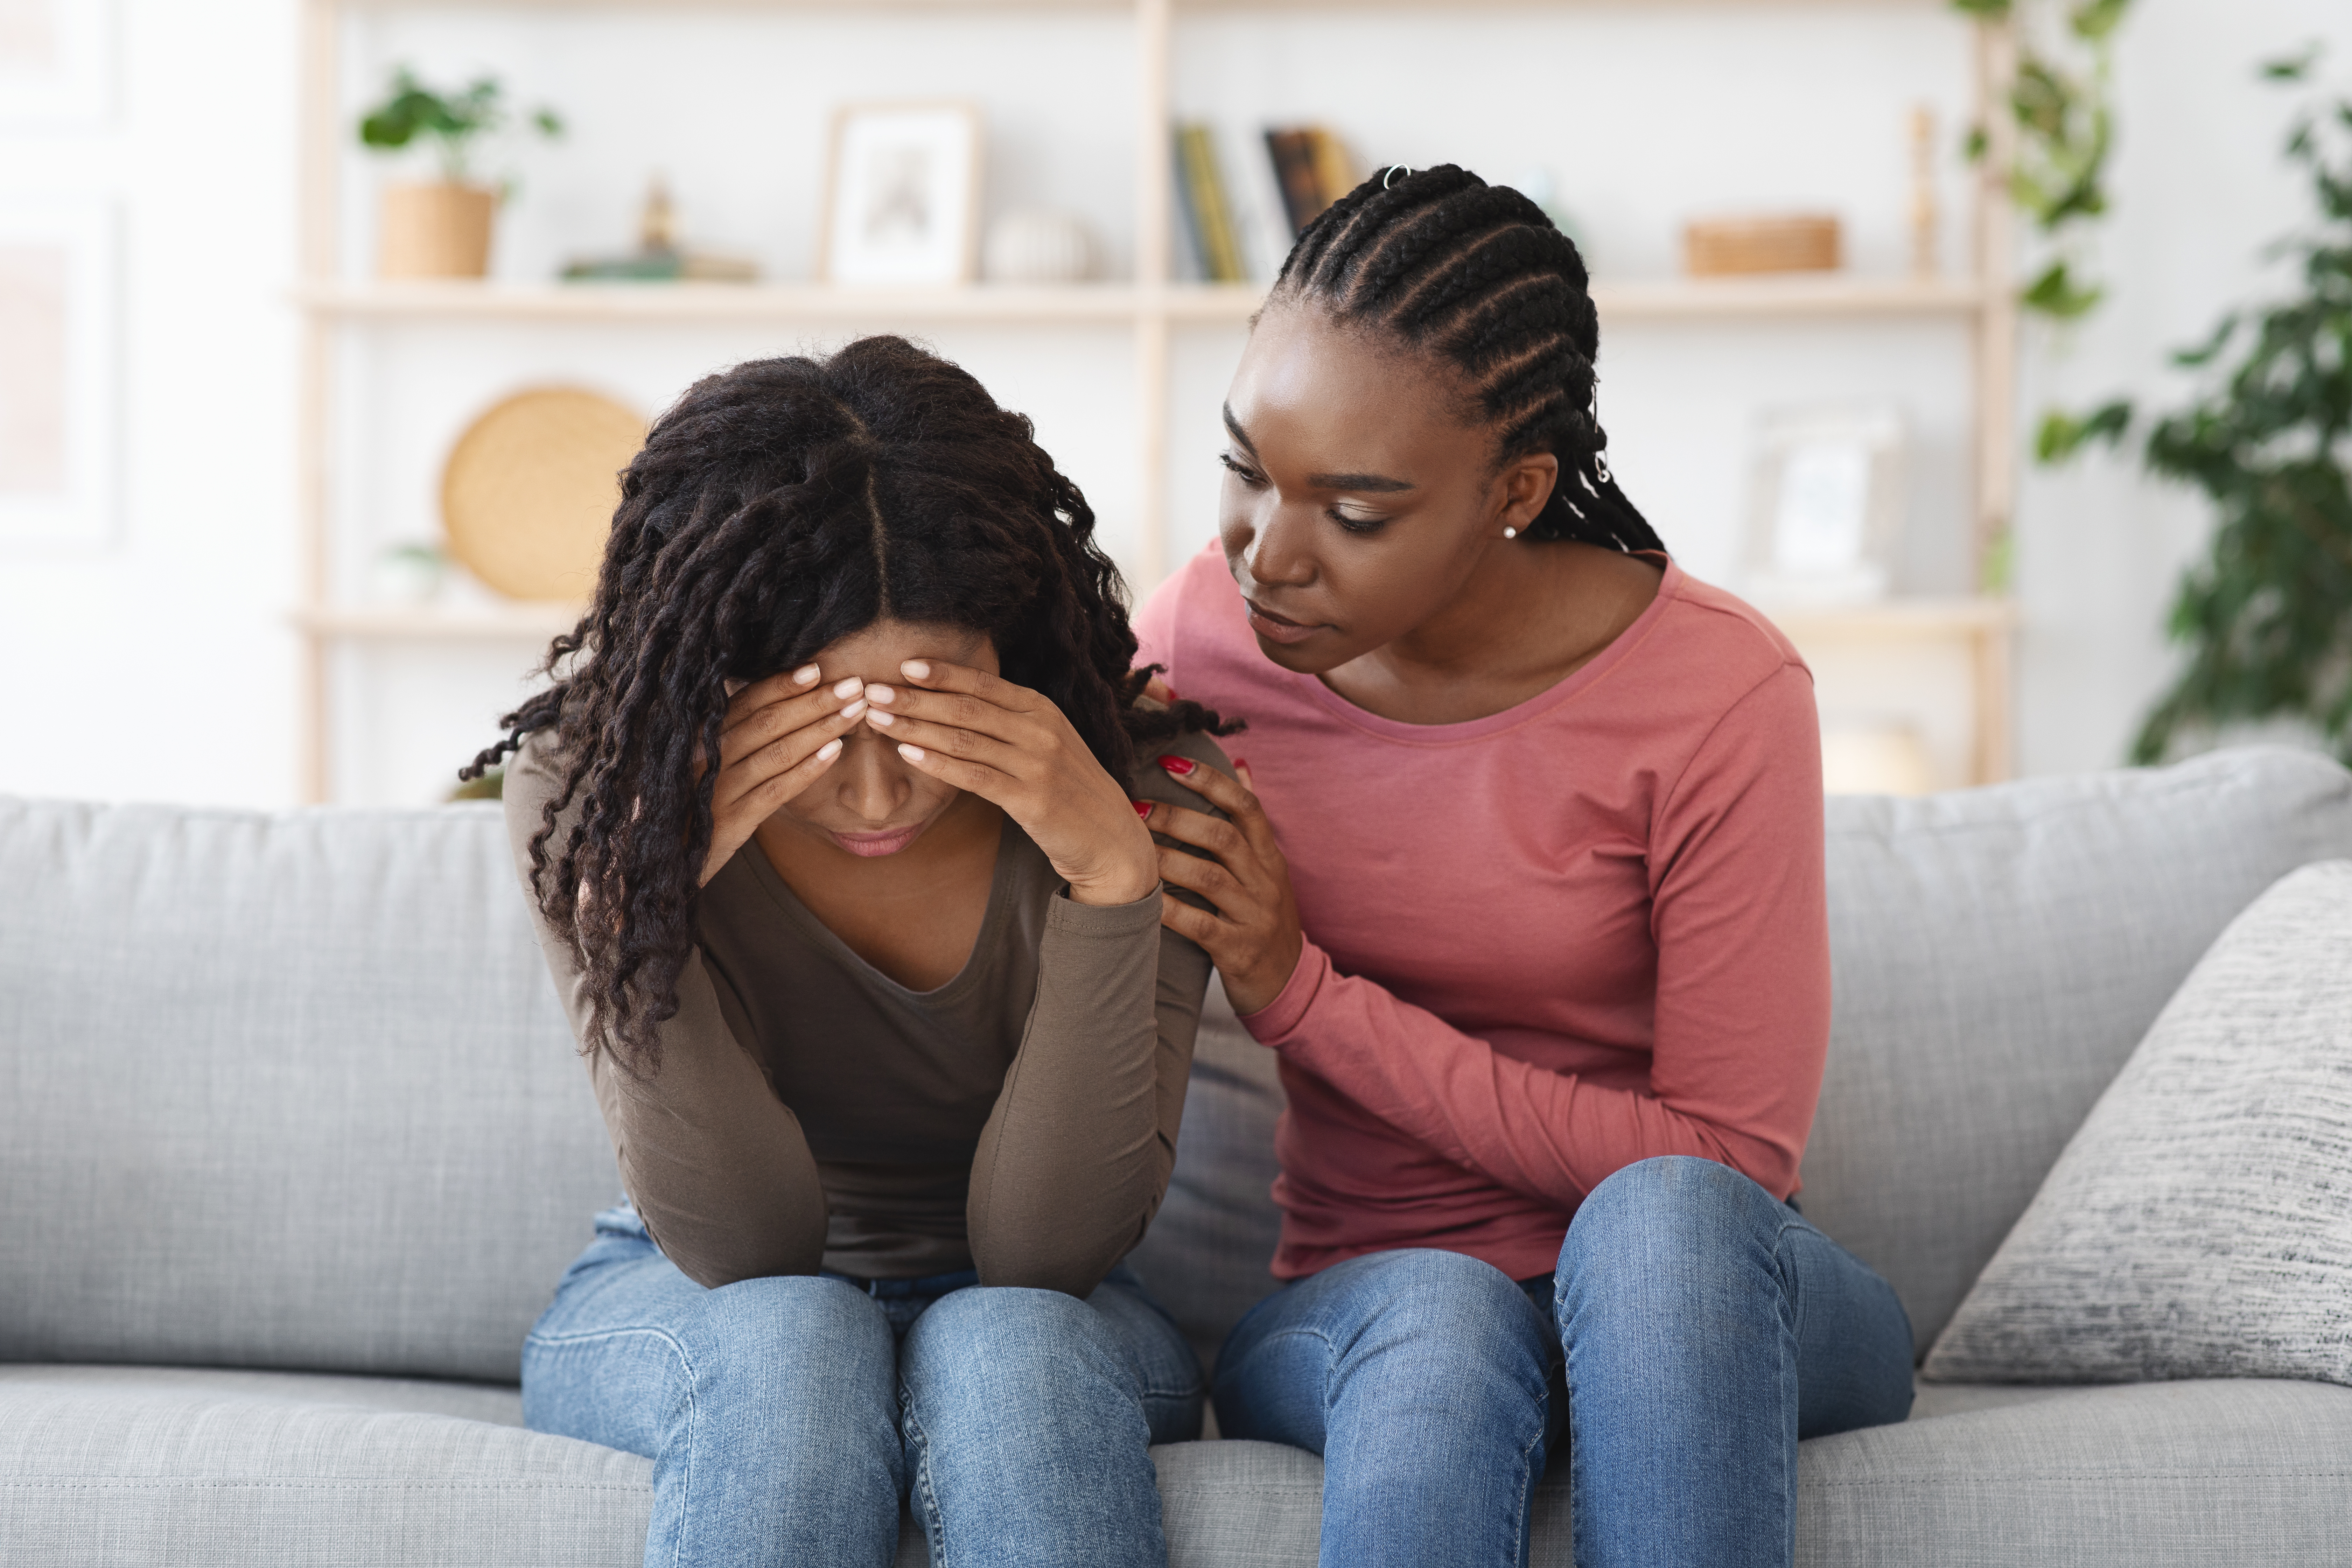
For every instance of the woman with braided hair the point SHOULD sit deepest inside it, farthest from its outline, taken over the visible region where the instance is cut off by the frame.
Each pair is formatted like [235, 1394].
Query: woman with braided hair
[826, 828]
[1542, 949]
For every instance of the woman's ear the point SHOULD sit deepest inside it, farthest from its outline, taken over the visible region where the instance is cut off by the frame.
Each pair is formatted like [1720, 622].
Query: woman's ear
[1523, 487]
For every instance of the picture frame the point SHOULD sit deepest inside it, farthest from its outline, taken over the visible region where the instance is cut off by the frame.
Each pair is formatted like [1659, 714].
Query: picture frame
[1825, 504]
[902, 196]
[56, 64]
[59, 305]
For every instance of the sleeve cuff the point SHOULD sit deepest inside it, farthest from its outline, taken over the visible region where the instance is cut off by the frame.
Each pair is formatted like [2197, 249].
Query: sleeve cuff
[1278, 1017]
[1065, 913]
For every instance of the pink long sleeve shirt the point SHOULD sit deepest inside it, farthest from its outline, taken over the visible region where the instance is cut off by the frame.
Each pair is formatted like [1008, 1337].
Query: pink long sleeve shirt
[1541, 945]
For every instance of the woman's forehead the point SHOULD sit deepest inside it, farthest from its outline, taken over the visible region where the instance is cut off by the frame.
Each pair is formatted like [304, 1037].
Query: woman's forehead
[876, 652]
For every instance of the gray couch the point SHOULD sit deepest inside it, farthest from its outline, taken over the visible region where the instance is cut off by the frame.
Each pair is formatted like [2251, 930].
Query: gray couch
[293, 1147]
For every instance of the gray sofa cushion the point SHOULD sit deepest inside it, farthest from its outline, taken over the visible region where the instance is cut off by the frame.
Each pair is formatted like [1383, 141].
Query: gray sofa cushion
[2199, 1224]
[1996, 953]
[283, 1090]
[129, 1467]
[125, 1467]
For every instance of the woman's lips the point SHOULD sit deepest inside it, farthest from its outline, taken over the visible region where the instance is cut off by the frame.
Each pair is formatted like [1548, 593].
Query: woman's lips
[1274, 629]
[873, 844]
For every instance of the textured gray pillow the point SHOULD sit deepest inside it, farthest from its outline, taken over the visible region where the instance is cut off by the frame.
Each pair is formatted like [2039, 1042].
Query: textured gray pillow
[2200, 1224]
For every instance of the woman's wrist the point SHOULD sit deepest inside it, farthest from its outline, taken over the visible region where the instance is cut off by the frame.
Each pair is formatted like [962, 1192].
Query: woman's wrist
[1125, 885]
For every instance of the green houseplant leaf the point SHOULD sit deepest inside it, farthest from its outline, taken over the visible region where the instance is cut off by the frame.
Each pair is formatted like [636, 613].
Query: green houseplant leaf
[2266, 616]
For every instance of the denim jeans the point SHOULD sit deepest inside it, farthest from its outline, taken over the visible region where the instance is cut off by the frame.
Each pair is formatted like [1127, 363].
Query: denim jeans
[1695, 1330]
[787, 1417]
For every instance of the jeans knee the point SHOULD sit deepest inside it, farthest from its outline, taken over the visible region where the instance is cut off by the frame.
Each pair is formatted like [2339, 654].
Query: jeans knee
[1667, 1234]
[1672, 1202]
[1454, 1315]
[1008, 1333]
[800, 1339]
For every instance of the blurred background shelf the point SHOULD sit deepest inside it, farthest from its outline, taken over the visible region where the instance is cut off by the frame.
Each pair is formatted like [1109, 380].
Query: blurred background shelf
[520, 621]
[369, 666]
[1663, 300]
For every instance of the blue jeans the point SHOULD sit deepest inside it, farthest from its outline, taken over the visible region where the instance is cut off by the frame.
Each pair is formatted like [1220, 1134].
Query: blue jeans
[787, 1417]
[1695, 1330]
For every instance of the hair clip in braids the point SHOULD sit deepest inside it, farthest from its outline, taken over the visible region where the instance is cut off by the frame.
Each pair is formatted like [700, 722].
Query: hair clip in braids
[1601, 466]
[1394, 169]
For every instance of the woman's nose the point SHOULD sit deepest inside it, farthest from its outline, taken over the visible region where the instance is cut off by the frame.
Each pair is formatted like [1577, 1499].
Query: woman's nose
[1280, 551]
[872, 785]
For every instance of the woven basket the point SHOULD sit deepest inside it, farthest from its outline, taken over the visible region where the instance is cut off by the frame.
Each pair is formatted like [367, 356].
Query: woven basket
[528, 496]
[1798, 242]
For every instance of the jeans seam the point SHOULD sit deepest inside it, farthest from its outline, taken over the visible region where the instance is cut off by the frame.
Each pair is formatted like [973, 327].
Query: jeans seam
[926, 1501]
[1526, 1487]
[693, 1403]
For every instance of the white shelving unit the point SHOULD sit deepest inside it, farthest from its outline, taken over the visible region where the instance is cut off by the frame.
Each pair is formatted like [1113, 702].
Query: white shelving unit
[1148, 307]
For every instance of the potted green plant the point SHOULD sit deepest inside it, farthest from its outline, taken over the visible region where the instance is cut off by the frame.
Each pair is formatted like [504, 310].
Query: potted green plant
[2266, 618]
[440, 228]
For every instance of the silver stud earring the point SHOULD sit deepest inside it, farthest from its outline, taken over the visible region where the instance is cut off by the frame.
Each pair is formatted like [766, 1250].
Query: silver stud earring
[1510, 532]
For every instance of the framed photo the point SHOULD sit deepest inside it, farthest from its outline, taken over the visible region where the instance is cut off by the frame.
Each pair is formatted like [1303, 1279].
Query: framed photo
[902, 194]
[1826, 505]
[57, 371]
[56, 62]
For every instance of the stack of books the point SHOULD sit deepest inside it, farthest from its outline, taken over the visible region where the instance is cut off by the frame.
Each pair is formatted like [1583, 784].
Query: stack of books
[1311, 169]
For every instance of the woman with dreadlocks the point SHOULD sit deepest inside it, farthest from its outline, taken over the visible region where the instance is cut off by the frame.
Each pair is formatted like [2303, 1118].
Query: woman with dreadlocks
[827, 834]
[1541, 1128]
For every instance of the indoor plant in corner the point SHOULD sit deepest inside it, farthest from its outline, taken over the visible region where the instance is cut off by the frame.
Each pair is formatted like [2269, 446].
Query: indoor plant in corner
[2266, 616]
[440, 228]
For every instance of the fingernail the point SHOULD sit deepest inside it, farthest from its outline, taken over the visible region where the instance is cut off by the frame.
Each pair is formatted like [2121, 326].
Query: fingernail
[803, 675]
[829, 751]
[849, 687]
[885, 720]
[1240, 762]
[855, 708]
[912, 754]
[1142, 807]
[879, 693]
[1181, 766]
[915, 669]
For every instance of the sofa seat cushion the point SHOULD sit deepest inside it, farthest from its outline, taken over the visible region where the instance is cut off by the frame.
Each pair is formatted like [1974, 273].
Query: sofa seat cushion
[110, 1464]
[131, 1465]
[2137, 1476]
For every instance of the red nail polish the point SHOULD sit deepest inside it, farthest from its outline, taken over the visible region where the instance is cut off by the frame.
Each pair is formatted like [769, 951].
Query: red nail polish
[1181, 766]
[1142, 807]
[1240, 762]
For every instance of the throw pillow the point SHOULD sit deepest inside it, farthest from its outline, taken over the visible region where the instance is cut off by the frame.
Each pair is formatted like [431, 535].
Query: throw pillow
[2199, 1224]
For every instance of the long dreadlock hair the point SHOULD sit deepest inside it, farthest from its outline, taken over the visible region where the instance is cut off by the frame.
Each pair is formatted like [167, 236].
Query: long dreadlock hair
[777, 508]
[1478, 276]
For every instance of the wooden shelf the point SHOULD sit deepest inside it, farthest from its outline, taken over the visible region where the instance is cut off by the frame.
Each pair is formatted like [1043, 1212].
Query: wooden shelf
[1808, 298]
[518, 621]
[1896, 618]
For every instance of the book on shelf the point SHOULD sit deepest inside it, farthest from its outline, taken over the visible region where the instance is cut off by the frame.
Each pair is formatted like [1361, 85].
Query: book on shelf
[1311, 168]
[1208, 209]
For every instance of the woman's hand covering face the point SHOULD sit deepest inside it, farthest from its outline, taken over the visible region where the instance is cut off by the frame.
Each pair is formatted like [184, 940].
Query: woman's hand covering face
[1013, 747]
[782, 733]
[1252, 934]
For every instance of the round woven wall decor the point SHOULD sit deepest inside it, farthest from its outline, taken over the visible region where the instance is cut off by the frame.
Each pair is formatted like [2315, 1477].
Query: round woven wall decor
[528, 495]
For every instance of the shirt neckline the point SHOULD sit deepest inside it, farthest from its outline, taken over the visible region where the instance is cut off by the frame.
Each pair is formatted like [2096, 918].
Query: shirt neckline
[975, 965]
[1585, 675]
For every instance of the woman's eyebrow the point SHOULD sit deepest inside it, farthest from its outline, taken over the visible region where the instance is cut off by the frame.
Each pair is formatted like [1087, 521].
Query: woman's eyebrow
[1234, 428]
[1380, 484]
[1377, 484]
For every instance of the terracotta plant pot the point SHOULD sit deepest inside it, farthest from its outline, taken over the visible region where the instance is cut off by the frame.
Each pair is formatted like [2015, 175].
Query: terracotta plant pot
[436, 231]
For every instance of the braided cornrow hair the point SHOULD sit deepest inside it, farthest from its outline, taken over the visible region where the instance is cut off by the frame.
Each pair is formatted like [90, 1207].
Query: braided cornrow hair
[1476, 273]
[776, 508]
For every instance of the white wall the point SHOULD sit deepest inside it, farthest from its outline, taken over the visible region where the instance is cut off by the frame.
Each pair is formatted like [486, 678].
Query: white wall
[159, 666]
